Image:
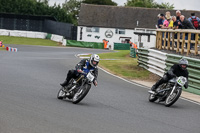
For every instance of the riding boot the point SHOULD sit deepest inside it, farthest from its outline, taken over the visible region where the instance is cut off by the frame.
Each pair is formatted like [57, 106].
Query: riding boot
[65, 83]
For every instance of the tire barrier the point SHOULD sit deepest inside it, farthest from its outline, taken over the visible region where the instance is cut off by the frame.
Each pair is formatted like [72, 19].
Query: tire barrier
[11, 49]
[158, 63]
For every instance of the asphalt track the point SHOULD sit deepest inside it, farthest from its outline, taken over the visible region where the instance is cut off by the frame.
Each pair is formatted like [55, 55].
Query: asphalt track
[29, 82]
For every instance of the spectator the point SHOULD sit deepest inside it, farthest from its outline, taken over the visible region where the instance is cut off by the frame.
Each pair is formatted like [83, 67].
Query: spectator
[178, 14]
[186, 24]
[161, 20]
[168, 23]
[175, 26]
[175, 23]
[194, 20]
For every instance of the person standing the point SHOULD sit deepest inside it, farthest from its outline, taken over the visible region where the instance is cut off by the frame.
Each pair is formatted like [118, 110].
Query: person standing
[178, 14]
[186, 24]
[194, 20]
[105, 43]
[161, 20]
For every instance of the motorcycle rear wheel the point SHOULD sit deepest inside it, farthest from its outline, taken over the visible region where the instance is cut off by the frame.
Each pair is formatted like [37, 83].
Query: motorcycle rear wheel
[171, 99]
[80, 94]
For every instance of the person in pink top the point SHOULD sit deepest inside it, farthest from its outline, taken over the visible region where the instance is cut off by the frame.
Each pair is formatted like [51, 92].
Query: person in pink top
[166, 23]
[1, 44]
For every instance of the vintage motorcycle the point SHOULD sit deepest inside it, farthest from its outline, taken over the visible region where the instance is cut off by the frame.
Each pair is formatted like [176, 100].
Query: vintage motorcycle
[168, 92]
[77, 89]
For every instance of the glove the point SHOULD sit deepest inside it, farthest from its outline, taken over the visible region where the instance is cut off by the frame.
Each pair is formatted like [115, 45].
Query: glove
[95, 83]
[79, 71]
[186, 86]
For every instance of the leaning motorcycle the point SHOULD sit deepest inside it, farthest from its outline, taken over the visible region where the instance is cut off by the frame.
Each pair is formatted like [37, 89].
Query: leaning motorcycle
[77, 89]
[169, 92]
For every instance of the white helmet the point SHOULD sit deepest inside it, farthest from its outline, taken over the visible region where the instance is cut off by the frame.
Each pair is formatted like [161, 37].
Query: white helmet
[183, 62]
[94, 60]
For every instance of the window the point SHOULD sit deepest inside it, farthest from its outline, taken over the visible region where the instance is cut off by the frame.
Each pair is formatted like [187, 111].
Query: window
[120, 31]
[92, 29]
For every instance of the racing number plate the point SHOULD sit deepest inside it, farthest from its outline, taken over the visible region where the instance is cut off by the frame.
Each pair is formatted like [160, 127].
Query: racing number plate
[90, 76]
[181, 81]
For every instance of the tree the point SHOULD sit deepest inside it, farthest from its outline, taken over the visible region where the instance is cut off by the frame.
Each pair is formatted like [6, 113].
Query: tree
[166, 6]
[148, 4]
[34, 7]
[72, 8]
[100, 2]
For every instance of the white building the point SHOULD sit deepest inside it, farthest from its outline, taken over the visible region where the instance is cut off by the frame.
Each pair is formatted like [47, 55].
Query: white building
[113, 23]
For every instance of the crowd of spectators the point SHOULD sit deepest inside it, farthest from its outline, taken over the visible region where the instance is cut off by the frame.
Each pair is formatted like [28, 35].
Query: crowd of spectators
[178, 22]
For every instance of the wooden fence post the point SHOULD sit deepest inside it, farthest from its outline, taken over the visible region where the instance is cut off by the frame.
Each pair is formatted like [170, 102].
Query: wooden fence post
[183, 43]
[188, 44]
[196, 43]
[178, 41]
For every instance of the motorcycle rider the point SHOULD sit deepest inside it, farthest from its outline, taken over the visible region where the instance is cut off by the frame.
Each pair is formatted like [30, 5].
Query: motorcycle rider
[176, 70]
[85, 65]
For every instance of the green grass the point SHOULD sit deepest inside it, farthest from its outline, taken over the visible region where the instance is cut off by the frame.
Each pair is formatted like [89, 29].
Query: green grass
[124, 66]
[27, 41]
[1, 48]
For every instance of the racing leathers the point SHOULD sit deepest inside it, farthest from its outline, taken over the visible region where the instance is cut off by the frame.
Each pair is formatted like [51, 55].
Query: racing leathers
[175, 71]
[84, 66]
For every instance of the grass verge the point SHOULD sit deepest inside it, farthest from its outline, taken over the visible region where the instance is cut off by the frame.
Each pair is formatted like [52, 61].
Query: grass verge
[121, 64]
[27, 41]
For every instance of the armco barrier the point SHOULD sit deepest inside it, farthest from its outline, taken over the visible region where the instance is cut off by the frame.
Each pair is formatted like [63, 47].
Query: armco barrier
[158, 63]
[56, 38]
[18, 33]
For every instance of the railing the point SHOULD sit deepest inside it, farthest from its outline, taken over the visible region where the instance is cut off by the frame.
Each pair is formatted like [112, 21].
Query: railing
[173, 39]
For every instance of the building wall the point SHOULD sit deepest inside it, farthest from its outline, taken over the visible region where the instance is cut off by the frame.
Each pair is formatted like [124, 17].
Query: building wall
[116, 38]
[98, 37]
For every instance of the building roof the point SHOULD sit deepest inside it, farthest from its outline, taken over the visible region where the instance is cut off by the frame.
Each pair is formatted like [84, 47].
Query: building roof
[122, 17]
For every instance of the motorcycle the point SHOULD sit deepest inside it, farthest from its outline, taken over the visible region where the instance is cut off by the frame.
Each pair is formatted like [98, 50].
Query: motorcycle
[168, 92]
[77, 89]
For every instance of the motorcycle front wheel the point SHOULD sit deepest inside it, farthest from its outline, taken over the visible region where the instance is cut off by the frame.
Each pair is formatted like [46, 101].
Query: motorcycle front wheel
[61, 94]
[152, 98]
[171, 99]
[80, 94]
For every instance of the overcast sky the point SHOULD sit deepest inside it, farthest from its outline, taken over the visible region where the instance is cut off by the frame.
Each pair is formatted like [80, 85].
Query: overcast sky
[178, 4]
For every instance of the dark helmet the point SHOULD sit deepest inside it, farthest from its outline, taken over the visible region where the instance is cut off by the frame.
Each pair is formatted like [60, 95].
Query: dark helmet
[183, 63]
[94, 60]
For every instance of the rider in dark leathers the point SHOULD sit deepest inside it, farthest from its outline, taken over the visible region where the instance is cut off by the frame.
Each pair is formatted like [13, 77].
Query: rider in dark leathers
[85, 65]
[175, 71]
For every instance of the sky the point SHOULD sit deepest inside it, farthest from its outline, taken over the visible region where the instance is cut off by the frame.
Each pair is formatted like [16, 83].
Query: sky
[178, 4]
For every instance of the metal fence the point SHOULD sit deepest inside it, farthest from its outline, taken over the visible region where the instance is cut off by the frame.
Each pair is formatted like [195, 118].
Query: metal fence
[37, 23]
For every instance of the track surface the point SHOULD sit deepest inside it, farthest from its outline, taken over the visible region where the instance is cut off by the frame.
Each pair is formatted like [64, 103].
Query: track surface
[29, 82]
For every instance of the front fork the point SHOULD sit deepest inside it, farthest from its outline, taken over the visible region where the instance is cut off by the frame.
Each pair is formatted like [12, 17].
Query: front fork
[173, 89]
[75, 83]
